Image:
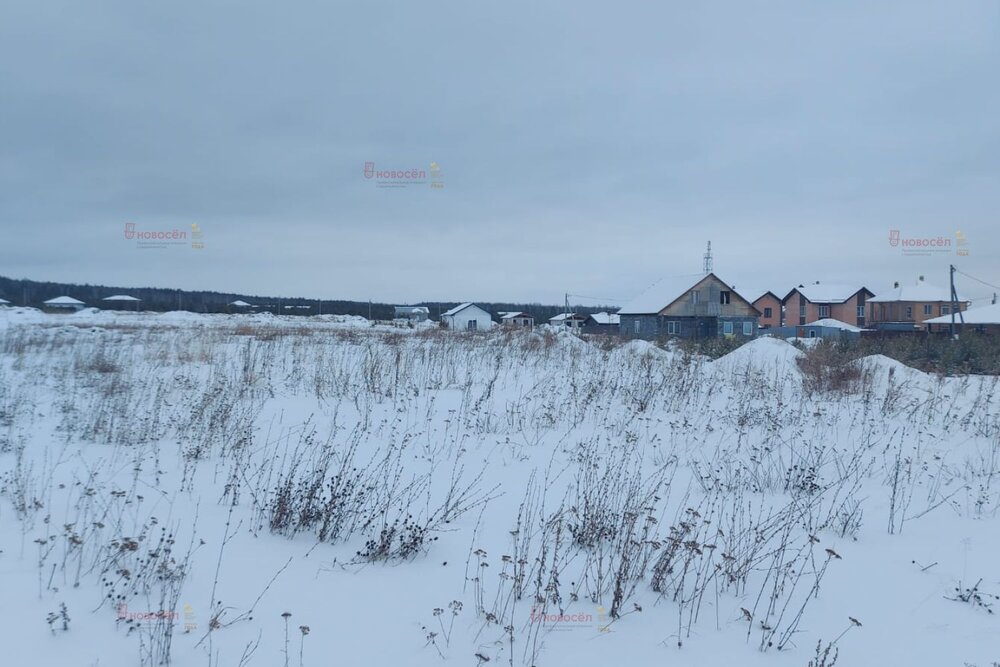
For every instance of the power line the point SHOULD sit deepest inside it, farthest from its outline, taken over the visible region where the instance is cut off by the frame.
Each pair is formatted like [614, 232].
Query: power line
[977, 279]
[595, 298]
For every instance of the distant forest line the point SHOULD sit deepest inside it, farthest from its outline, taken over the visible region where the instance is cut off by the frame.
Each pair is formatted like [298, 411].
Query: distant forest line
[22, 292]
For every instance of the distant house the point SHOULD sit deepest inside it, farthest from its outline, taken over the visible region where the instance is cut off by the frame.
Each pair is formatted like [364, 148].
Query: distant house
[121, 301]
[63, 304]
[411, 313]
[568, 320]
[700, 306]
[467, 317]
[985, 319]
[829, 329]
[239, 305]
[516, 319]
[907, 307]
[769, 305]
[808, 303]
[4, 302]
[601, 323]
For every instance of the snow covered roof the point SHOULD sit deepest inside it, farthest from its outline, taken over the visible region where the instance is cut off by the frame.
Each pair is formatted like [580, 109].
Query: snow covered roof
[664, 292]
[412, 309]
[983, 315]
[562, 317]
[661, 294]
[919, 291]
[120, 297]
[605, 318]
[823, 293]
[4, 301]
[63, 301]
[834, 324]
[460, 307]
[239, 303]
[511, 314]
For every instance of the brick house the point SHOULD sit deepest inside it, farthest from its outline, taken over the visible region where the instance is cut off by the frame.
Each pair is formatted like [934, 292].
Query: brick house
[808, 303]
[769, 305]
[909, 306]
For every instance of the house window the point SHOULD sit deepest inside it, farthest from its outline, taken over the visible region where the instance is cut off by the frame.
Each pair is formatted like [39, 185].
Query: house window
[928, 309]
[802, 311]
[812, 333]
[637, 325]
[471, 325]
[946, 310]
[724, 297]
[694, 297]
[824, 311]
[909, 312]
[727, 328]
[767, 312]
[748, 328]
[674, 328]
[861, 312]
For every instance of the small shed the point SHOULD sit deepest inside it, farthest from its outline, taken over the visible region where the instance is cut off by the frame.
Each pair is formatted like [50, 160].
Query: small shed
[984, 319]
[829, 328]
[516, 319]
[601, 323]
[63, 304]
[467, 317]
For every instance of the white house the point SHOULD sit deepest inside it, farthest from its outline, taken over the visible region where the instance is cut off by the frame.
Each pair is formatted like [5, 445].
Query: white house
[516, 319]
[467, 317]
[64, 304]
[568, 320]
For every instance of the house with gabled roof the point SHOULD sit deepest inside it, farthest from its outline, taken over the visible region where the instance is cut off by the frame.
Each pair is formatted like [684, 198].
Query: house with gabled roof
[692, 306]
[467, 317]
[770, 307]
[821, 301]
[907, 306]
[516, 319]
[568, 320]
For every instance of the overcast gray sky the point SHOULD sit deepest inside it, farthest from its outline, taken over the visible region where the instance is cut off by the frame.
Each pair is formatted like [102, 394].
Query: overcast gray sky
[589, 147]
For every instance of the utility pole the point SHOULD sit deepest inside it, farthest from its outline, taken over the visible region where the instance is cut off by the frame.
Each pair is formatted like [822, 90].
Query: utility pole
[954, 303]
[178, 300]
[369, 310]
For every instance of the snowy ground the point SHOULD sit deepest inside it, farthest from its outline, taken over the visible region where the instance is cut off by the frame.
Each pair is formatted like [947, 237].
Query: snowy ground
[173, 484]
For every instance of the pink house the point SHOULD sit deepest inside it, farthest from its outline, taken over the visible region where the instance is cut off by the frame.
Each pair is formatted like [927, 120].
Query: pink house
[808, 303]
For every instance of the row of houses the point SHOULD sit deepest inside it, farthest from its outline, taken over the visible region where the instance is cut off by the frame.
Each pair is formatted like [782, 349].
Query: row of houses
[470, 317]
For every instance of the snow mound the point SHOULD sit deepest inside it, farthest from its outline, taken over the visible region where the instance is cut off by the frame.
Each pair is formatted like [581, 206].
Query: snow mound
[764, 353]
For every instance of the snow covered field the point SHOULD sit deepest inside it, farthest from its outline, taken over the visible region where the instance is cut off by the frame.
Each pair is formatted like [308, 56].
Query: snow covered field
[247, 490]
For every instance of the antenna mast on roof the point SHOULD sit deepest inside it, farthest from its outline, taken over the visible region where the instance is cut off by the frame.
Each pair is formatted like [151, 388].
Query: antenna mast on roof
[708, 258]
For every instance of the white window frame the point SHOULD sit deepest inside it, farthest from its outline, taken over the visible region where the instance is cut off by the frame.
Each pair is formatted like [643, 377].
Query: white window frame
[727, 328]
[824, 312]
[748, 328]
